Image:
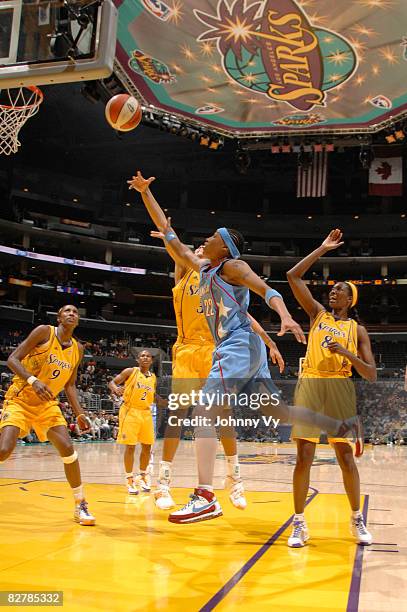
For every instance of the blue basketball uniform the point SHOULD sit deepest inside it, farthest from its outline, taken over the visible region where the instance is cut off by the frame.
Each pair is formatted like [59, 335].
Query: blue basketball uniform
[240, 357]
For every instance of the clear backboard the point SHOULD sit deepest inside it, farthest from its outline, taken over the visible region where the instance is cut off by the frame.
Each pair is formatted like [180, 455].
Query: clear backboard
[56, 41]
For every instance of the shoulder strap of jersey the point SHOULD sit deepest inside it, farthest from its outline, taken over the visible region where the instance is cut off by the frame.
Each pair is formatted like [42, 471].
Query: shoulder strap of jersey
[132, 375]
[316, 320]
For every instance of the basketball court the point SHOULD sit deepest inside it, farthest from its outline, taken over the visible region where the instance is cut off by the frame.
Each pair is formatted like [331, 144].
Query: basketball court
[134, 559]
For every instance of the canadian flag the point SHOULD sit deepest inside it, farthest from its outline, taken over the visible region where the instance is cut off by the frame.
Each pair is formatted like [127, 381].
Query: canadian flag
[386, 176]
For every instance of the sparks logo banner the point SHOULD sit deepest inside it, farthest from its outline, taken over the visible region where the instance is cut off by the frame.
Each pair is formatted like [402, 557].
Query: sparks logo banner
[150, 67]
[279, 66]
[300, 121]
[272, 48]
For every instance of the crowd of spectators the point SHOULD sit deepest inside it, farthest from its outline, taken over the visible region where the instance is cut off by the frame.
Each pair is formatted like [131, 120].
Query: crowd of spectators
[103, 426]
[383, 405]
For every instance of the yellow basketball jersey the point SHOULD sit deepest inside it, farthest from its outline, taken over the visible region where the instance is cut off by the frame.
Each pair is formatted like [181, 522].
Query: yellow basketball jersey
[319, 362]
[191, 322]
[139, 390]
[51, 364]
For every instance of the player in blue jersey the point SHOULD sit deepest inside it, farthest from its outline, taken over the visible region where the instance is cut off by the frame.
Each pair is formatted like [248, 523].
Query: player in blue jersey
[240, 359]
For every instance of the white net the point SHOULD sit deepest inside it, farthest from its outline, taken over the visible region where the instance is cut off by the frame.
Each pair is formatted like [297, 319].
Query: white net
[16, 107]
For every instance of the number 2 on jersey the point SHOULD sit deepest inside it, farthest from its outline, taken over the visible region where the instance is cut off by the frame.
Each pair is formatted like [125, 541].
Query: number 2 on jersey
[208, 306]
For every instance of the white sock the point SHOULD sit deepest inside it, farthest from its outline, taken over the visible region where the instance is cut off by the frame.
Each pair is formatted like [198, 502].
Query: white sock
[78, 493]
[357, 514]
[233, 466]
[164, 473]
[129, 475]
[299, 518]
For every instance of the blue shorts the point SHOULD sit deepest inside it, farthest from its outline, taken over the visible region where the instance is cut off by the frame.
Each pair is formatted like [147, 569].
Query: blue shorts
[240, 366]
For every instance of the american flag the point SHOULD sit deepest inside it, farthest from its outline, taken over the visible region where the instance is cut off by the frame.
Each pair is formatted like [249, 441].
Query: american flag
[312, 180]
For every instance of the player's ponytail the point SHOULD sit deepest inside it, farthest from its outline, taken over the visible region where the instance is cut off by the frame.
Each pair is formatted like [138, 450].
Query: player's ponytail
[237, 238]
[353, 314]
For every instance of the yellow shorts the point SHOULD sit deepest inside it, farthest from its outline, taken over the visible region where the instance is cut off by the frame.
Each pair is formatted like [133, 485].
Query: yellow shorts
[334, 397]
[191, 364]
[40, 418]
[135, 426]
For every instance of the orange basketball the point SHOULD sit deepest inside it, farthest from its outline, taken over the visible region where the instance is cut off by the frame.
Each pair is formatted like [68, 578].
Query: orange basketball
[123, 112]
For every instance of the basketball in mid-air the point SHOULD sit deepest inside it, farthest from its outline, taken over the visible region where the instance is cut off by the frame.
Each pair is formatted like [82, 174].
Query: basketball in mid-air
[123, 112]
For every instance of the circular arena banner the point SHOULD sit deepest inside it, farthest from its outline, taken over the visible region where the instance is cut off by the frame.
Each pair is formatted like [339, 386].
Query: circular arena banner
[245, 68]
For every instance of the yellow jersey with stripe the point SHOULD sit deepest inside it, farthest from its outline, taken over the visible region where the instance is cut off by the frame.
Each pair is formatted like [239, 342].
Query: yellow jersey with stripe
[51, 363]
[139, 390]
[191, 321]
[319, 361]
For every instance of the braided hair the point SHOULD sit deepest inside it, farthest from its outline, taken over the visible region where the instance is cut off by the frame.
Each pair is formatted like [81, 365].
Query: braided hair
[237, 238]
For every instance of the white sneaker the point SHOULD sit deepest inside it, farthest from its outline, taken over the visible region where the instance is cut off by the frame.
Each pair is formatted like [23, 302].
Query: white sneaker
[202, 506]
[143, 482]
[299, 535]
[131, 488]
[358, 529]
[236, 492]
[82, 514]
[163, 499]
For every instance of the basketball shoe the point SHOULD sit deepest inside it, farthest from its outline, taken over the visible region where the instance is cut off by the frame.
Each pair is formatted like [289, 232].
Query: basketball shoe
[236, 492]
[82, 514]
[202, 506]
[299, 535]
[358, 529]
[131, 486]
[143, 482]
[163, 499]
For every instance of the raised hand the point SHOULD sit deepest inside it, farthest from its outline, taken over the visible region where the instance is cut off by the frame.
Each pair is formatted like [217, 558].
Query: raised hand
[155, 234]
[139, 183]
[333, 240]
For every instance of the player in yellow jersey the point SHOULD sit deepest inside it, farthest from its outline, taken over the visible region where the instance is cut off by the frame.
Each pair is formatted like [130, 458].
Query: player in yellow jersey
[44, 364]
[137, 386]
[336, 343]
[192, 361]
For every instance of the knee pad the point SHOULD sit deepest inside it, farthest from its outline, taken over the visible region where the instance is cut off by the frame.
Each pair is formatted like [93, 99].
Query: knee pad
[71, 459]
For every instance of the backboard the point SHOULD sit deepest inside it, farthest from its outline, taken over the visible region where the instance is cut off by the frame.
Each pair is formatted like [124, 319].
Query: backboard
[56, 41]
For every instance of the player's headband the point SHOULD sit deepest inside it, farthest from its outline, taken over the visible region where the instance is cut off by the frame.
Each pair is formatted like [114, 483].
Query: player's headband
[227, 239]
[355, 296]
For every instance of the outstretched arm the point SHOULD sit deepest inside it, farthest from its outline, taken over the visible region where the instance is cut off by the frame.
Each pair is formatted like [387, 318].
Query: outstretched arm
[142, 185]
[301, 292]
[182, 254]
[238, 272]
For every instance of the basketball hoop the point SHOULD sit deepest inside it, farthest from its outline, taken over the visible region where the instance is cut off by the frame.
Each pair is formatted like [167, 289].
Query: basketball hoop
[23, 104]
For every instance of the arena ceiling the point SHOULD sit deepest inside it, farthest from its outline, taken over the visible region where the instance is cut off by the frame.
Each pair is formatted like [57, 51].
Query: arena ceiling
[247, 68]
